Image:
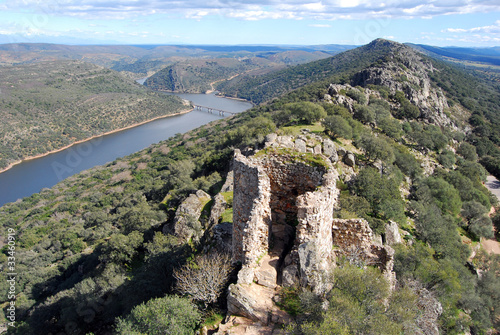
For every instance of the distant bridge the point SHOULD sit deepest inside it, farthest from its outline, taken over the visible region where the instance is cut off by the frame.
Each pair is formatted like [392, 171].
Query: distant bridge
[213, 110]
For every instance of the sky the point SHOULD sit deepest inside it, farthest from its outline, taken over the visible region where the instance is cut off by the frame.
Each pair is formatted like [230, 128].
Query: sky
[234, 22]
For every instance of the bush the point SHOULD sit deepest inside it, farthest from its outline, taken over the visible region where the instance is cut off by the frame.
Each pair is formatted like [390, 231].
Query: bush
[447, 158]
[357, 95]
[204, 281]
[167, 315]
[365, 114]
[337, 126]
[467, 151]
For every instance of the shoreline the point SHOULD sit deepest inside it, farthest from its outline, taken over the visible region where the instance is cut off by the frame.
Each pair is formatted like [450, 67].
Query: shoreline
[29, 158]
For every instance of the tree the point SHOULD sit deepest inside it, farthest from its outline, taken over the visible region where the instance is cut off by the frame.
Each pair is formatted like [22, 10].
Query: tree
[390, 126]
[168, 315]
[306, 111]
[447, 158]
[337, 126]
[467, 151]
[376, 148]
[206, 279]
[437, 190]
[365, 114]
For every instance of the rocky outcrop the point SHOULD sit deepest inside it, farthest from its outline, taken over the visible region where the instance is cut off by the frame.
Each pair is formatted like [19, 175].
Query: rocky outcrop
[407, 71]
[186, 224]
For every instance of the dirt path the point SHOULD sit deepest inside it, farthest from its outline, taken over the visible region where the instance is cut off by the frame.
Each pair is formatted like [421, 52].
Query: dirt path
[491, 245]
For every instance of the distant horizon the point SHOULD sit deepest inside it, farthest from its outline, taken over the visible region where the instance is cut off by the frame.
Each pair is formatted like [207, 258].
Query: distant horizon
[245, 45]
[457, 23]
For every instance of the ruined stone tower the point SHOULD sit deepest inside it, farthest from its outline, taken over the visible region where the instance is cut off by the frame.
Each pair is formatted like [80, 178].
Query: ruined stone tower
[283, 231]
[283, 208]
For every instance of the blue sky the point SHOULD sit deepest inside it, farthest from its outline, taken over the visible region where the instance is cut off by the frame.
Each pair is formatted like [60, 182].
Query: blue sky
[434, 22]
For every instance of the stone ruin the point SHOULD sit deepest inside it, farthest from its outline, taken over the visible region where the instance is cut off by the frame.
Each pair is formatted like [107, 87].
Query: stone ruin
[284, 233]
[282, 209]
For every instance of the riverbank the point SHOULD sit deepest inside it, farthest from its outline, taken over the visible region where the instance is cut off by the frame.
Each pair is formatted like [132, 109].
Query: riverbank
[29, 158]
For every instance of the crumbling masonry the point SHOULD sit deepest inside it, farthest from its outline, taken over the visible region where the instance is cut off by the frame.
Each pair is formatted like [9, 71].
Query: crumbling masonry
[283, 228]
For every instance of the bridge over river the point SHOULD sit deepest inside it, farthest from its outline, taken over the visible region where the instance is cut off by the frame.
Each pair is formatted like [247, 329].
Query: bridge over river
[213, 110]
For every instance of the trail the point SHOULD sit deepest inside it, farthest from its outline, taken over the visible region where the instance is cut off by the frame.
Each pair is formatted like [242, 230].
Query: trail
[491, 245]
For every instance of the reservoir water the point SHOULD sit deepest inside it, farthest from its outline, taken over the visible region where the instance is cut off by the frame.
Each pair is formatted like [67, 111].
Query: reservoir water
[31, 176]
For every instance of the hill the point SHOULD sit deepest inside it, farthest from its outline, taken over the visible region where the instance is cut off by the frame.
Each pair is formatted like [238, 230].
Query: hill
[108, 249]
[49, 105]
[196, 75]
[260, 88]
[482, 55]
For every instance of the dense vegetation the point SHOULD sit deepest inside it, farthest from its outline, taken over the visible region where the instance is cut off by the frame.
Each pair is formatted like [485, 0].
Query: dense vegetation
[92, 256]
[49, 105]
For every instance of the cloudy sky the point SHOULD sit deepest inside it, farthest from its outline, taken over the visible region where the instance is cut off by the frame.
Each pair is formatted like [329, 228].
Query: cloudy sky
[434, 22]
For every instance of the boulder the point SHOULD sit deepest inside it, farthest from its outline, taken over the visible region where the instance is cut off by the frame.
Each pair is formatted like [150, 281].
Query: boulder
[317, 149]
[270, 139]
[186, 221]
[218, 208]
[300, 145]
[228, 184]
[251, 301]
[285, 142]
[392, 235]
[350, 159]
[290, 276]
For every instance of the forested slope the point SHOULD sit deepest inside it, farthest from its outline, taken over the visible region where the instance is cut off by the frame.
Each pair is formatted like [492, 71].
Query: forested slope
[46, 106]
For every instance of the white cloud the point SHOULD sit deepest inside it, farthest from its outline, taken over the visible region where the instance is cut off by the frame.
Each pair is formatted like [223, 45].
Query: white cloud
[493, 29]
[254, 9]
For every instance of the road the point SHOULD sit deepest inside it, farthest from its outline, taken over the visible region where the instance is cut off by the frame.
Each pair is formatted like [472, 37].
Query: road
[492, 184]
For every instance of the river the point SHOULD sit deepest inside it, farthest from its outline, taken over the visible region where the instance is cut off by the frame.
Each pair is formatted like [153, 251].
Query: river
[31, 176]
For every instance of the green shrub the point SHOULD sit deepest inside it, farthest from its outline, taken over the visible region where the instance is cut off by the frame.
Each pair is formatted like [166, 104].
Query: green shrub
[168, 315]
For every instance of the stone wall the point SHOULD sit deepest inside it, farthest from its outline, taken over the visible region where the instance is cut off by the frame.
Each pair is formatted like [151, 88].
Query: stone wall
[354, 239]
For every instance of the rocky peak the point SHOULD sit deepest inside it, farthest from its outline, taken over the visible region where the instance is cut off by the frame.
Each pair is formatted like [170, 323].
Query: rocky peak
[404, 69]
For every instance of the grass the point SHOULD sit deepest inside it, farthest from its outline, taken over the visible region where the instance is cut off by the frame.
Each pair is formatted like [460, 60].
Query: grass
[228, 196]
[296, 130]
[227, 216]
[213, 320]
[295, 156]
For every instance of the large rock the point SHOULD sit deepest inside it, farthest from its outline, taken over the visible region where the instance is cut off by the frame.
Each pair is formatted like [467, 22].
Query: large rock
[228, 184]
[251, 301]
[300, 145]
[186, 222]
[290, 277]
[312, 269]
[392, 235]
[350, 159]
[218, 208]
